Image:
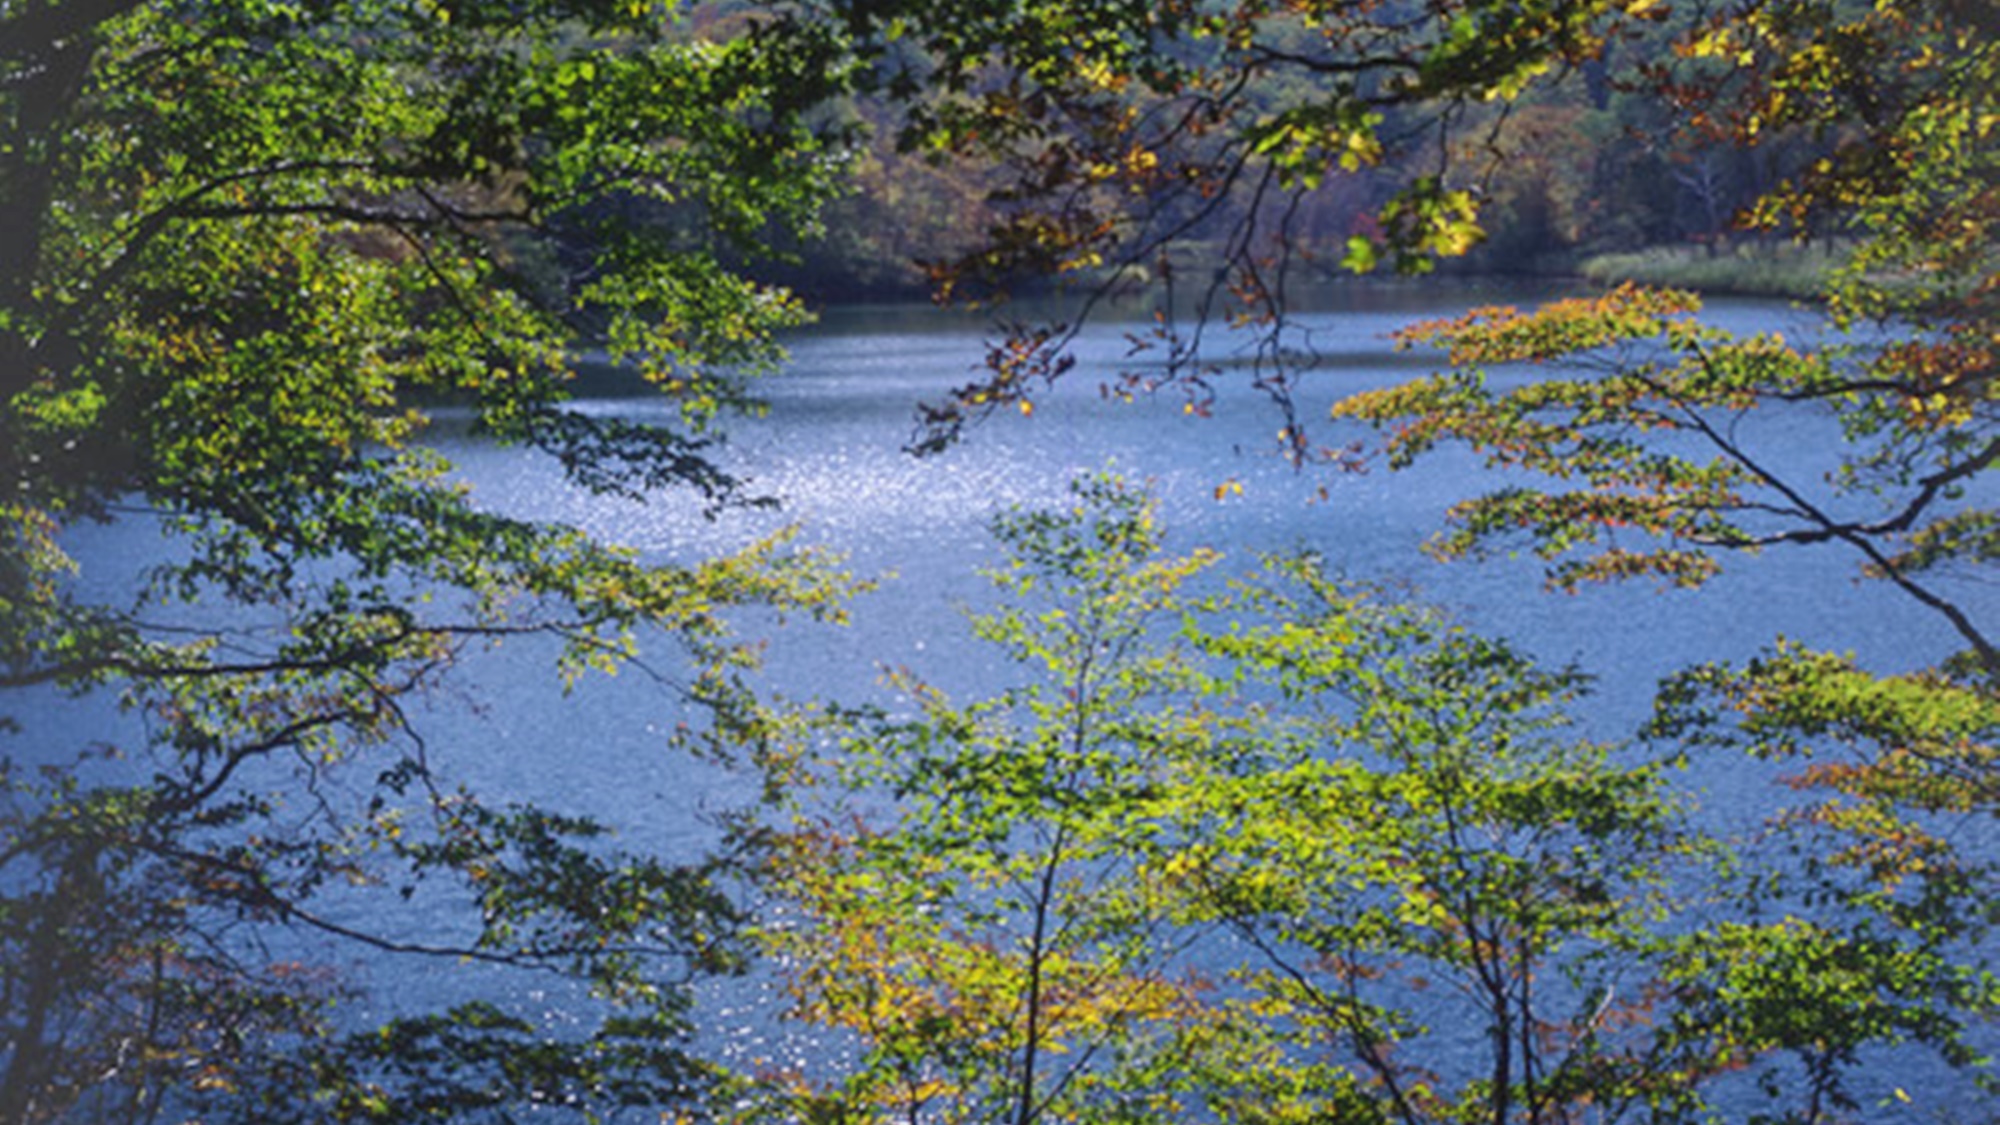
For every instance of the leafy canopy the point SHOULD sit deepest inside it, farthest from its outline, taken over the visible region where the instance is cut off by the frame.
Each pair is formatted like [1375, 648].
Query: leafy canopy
[248, 251]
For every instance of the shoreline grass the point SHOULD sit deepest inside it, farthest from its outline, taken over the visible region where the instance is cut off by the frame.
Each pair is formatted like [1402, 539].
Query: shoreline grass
[1758, 269]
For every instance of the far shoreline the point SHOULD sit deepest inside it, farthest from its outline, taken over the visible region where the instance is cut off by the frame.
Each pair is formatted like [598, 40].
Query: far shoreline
[1743, 268]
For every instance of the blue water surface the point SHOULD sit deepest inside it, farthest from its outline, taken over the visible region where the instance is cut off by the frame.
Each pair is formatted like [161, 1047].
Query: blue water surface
[832, 451]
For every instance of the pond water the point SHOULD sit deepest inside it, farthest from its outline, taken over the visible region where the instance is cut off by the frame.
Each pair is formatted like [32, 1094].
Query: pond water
[831, 449]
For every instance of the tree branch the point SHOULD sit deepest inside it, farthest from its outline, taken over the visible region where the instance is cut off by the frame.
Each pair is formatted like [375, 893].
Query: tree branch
[1859, 536]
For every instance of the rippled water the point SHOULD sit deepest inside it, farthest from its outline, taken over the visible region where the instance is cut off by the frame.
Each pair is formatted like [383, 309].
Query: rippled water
[831, 450]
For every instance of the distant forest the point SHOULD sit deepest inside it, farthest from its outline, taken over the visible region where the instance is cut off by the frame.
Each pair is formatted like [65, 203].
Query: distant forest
[1594, 165]
[1590, 166]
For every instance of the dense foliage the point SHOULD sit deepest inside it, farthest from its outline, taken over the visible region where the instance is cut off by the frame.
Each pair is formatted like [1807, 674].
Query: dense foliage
[245, 250]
